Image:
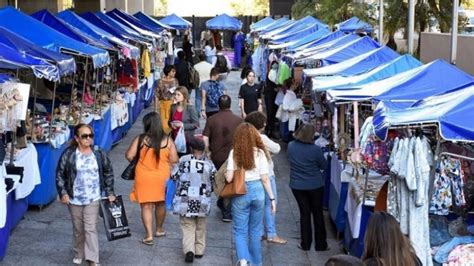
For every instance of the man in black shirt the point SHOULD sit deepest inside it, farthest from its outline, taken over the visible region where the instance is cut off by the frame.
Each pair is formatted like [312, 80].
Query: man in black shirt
[250, 95]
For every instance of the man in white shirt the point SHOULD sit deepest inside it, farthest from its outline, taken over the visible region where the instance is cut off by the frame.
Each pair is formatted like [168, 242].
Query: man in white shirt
[221, 62]
[204, 70]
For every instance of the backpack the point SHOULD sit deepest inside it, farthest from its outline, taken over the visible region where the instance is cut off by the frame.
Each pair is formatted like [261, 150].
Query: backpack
[213, 93]
[221, 64]
[193, 77]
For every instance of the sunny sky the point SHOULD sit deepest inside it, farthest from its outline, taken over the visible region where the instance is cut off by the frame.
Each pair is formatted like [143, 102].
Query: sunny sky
[199, 7]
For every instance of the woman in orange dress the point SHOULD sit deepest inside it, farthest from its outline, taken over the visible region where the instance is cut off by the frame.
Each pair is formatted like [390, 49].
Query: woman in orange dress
[157, 156]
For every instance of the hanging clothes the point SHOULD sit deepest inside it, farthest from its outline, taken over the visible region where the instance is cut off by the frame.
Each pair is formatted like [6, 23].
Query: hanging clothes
[145, 63]
[448, 187]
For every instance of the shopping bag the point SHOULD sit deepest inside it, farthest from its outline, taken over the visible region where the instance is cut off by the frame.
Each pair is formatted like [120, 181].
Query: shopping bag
[180, 141]
[115, 218]
[170, 192]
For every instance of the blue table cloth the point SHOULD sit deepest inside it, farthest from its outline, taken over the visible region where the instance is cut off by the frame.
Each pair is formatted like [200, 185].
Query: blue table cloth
[355, 247]
[103, 131]
[336, 206]
[16, 209]
[48, 158]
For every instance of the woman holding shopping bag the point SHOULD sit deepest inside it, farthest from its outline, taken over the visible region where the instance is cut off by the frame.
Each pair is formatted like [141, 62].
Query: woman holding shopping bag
[83, 176]
[183, 115]
[157, 155]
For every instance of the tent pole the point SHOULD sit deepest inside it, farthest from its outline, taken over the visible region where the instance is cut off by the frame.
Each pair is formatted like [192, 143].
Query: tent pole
[95, 90]
[454, 32]
[381, 7]
[72, 90]
[83, 89]
[101, 90]
[411, 24]
[356, 124]
[52, 111]
[34, 107]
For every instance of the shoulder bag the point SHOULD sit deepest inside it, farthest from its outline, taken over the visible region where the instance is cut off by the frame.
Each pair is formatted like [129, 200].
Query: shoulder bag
[236, 187]
[129, 172]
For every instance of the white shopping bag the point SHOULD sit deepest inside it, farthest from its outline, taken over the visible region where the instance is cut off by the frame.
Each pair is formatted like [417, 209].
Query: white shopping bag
[180, 141]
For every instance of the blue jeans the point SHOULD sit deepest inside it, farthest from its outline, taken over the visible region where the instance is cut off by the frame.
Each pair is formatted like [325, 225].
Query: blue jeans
[247, 217]
[269, 219]
[197, 100]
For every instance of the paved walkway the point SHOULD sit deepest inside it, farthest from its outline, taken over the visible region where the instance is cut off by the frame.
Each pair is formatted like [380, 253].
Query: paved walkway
[45, 237]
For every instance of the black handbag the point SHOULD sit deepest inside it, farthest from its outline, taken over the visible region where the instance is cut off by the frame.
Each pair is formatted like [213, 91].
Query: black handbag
[129, 172]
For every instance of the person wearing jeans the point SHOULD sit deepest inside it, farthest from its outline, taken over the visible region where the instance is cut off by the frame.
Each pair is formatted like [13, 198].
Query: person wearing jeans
[306, 182]
[247, 209]
[258, 120]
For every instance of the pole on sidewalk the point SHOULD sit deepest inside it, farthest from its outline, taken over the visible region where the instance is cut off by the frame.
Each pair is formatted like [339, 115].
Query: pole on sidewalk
[454, 32]
[381, 21]
[411, 24]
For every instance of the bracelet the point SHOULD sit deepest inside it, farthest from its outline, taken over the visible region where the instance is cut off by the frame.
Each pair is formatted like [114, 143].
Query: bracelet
[272, 199]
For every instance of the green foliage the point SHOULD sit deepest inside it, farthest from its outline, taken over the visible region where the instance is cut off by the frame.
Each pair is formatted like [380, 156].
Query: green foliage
[251, 7]
[302, 8]
[161, 9]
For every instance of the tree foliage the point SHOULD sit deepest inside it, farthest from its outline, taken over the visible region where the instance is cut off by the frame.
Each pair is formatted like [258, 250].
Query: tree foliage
[161, 9]
[251, 7]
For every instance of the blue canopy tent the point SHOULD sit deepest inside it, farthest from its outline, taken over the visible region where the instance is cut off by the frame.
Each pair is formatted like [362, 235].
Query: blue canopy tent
[119, 17]
[56, 23]
[323, 39]
[324, 43]
[133, 20]
[274, 25]
[333, 55]
[65, 63]
[448, 111]
[123, 28]
[354, 24]
[261, 23]
[292, 28]
[151, 22]
[224, 22]
[299, 42]
[385, 70]
[438, 78]
[49, 38]
[88, 28]
[176, 22]
[92, 18]
[296, 35]
[410, 86]
[383, 53]
[13, 59]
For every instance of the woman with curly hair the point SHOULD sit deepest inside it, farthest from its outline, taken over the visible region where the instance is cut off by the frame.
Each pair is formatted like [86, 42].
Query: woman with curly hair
[247, 210]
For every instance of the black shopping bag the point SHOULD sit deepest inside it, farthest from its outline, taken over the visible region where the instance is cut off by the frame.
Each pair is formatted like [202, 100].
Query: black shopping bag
[115, 219]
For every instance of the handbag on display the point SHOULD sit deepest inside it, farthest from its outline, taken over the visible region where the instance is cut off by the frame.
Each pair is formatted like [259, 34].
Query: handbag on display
[115, 218]
[129, 172]
[236, 187]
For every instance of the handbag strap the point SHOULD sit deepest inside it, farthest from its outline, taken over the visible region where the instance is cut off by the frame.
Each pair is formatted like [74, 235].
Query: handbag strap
[139, 145]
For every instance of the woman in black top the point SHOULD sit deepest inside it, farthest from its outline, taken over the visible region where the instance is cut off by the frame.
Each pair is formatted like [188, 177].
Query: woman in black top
[250, 95]
[188, 49]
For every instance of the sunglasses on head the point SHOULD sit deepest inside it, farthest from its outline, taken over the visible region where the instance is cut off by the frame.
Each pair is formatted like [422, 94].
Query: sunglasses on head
[85, 136]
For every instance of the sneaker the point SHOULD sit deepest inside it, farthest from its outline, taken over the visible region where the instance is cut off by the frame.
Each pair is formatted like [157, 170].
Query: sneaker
[77, 261]
[189, 257]
[242, 262]
[227, 218]
[198, 256]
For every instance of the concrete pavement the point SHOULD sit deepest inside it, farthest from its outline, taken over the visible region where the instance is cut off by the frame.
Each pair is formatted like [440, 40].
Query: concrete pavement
[45, 237]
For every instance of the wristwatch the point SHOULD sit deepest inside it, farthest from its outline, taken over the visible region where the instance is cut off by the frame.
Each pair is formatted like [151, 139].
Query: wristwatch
[272, 199]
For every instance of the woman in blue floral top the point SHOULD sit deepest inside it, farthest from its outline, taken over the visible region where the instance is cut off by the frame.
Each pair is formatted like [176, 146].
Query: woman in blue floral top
[195, 177]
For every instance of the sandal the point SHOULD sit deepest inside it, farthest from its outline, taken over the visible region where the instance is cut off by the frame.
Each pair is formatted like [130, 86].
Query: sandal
[148, 242]
[159, 234]
[277, 240]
